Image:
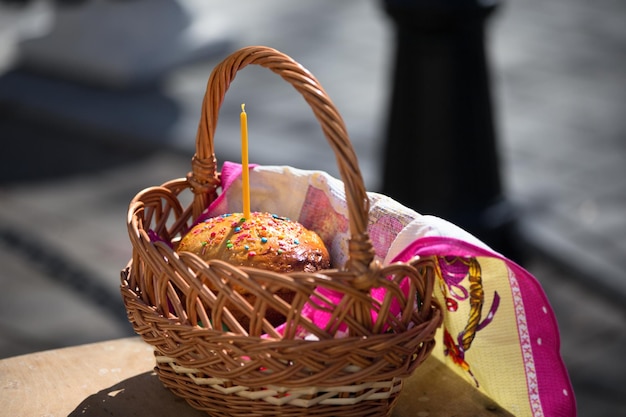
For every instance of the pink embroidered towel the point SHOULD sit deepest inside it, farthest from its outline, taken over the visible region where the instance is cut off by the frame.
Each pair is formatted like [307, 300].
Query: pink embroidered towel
[499, 331]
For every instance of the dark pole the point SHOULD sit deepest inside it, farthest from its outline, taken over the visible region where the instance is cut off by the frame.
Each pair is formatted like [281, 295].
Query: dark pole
[441, 153]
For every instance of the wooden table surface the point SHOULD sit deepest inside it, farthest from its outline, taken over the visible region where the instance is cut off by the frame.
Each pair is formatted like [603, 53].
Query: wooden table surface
[115, 378]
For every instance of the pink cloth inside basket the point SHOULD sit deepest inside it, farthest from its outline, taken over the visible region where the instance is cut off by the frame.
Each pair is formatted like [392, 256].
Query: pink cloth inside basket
[513, 353]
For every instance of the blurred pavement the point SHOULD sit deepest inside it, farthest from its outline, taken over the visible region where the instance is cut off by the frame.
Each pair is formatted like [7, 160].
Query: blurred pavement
[75, 153]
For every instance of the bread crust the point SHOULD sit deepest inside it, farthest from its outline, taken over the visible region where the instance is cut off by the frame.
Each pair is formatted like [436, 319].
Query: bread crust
[266, 241]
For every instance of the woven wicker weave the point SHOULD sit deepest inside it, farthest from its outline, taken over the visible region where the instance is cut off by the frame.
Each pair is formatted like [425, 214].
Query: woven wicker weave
[216, 363]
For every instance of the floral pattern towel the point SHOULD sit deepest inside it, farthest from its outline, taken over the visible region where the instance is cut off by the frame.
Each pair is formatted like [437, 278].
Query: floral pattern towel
[499, 331]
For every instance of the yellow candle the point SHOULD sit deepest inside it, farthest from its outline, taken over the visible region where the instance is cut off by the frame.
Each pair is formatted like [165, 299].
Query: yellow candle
[245, 178]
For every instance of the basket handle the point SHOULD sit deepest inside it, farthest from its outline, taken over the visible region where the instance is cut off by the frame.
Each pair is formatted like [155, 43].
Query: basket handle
[204, 178]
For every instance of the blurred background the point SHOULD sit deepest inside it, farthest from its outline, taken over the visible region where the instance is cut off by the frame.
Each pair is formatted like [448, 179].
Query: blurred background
[512, 111]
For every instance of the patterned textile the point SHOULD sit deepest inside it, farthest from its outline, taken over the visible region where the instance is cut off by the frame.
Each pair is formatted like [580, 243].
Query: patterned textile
[499, 330]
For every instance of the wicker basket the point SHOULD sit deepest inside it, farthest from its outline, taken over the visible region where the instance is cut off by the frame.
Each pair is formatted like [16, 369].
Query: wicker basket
[230, 367]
